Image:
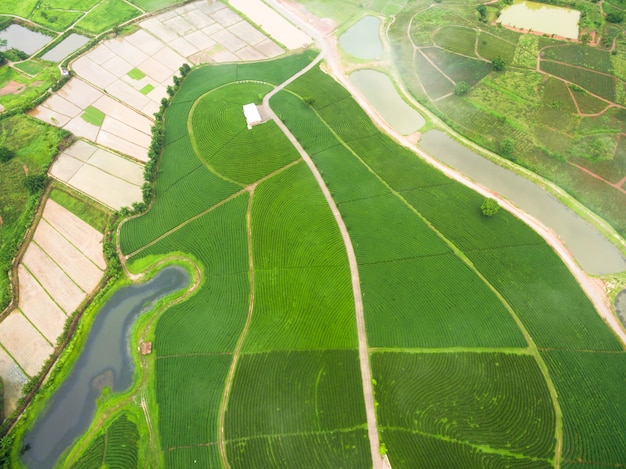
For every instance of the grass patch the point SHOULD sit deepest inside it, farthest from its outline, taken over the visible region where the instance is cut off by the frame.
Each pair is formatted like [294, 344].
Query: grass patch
[107, 14]
[31, 67]
[56, 19]
[84, 208]
[93, 116]
[154, 5]
[21, 8]
[146, 89]
[136, 74]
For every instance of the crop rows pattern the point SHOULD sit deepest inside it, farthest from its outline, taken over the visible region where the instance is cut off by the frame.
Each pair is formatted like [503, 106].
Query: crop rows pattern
[602, 85]
[116, 448]
[494, 399]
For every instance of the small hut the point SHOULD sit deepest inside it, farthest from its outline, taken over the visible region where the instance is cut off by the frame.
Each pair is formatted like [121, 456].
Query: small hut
[252, 114]
[145, 348]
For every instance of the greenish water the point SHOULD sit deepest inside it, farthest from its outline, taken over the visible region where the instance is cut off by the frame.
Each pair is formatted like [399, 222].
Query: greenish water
[362, 39]
[380, 92]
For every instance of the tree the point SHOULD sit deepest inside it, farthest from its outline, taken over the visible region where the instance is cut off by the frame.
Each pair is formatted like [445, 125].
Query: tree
[5, 154]
[490, 207]
[461, 88]
[482, 11]
[35, 183]
[507, 145]
[498, 64]
[615, 17]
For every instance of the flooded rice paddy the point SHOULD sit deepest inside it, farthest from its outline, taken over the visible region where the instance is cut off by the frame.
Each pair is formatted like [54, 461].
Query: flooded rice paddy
[539, 17]
[592, 250]
[378, 89]
[105, 362]
[362, 39]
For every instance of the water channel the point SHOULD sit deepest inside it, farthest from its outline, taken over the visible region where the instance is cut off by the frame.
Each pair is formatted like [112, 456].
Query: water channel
[21, 38]
[548, 19]
[592, 250]
[380, 92]
[620, 306]
[105, 361]
[361, 39]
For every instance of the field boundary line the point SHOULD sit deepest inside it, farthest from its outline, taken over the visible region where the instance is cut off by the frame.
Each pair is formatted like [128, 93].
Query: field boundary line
[221, 440]
[366, 371]
[506, 350]
[316, 432]
[21, 311]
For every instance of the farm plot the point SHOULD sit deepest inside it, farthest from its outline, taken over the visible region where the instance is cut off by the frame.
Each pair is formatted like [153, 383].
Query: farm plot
[600, 84]
[457, 39]
[301, 269]
[116, 447]
[290, 392]
[104, 176]
[594, 430]
[495, 401]
[458, 67]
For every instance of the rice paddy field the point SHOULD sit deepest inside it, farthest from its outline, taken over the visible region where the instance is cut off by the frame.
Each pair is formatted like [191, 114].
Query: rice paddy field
[562, 129]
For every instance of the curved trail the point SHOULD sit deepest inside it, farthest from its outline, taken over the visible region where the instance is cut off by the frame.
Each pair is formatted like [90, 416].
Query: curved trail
[366, 374]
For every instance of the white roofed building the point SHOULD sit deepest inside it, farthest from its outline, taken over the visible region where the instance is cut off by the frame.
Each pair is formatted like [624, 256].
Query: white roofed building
[252, 114]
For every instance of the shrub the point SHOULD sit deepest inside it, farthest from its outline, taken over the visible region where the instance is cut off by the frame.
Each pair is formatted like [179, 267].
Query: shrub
[5, 154]
[461, 88]
[490, 207]
[35, 183]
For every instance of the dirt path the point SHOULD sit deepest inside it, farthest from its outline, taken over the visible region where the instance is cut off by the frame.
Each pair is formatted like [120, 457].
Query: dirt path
[366, 375]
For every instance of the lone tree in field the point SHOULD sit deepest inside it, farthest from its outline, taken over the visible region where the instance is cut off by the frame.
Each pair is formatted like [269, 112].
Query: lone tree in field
[507, 145]
[498, 64]
[461, 88]
[490, 207]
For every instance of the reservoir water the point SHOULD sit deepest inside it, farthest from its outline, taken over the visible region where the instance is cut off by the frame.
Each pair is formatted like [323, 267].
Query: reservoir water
[542, 18]
[380, 92]
[592, 250]
[105, 361]
[362, 39]
[65, 47]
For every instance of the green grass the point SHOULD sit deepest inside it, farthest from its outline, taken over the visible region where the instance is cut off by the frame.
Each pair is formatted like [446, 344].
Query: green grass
[526, 52]
[136, 74]
[154, 5]
[458, 67]
[602, 85]
[456, 39]
[56, 19]
[116, 447]
[31, 67]
[84, 208]
[496, 401]
[581, 56]
[93, 116]
[21, 8]
[34, 86]
[146, 89]
[107, 14]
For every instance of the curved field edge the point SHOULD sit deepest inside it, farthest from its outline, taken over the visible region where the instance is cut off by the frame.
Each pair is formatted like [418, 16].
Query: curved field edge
[604, 339]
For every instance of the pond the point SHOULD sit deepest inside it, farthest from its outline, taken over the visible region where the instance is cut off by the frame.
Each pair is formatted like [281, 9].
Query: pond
[105, 361]
[548, 19]
[378, 89]
[65, 47]
[592, 250]
[21, 38]
[362, 39]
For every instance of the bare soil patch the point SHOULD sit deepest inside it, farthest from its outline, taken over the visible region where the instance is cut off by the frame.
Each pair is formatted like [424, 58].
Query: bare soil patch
[12, 87]
[25, 344]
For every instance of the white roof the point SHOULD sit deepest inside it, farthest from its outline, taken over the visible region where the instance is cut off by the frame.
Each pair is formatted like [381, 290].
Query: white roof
[251, 113]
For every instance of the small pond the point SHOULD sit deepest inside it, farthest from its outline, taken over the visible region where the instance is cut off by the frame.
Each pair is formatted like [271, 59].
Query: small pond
[21, 38]
[65, 47]
[362, 39]
[548, 19]
[380, 92]
[620, 306]
[592, 250]
[105, 361]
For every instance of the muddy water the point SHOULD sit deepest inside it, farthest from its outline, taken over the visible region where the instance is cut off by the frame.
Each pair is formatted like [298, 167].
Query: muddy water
[105, 361]
[620, 306]
[542, 18]
[362, 39]
[65, 47]
[380, 92]
[21, 38]
[592, 250]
